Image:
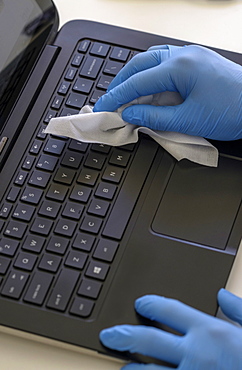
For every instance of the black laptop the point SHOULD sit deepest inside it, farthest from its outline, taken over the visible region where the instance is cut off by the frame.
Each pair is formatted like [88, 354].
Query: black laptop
[85, 229]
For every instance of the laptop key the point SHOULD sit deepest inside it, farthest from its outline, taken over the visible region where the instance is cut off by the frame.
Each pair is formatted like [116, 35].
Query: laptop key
[50, 114]
[95, 160]
[72, 159]
[5, 210]
[84, 45]
[15, 229]
[76, 260]
[57, 245]
[63, 289]
[123, 207]
[15, 284]
[64, 87]
[38, 288]
[56, 104]
[112, 68]
[57, 192]
[96, 95]
[88, 177]
[20, 178]
[113, 174]
[4, 264]
[8, 247]
[36, 146]
[91, 224]
[49, 262]
[75, 100]
[120, 54]
[91, 67]
[119, 158]
[73, 210]
[80, 193]
[78, 146]
[33, 243]
[39, 179]
[70, 74]
[76, 61]
[65, 227]
[97, 270]
[41, 226]
[49, 209]
[83, 85]
[25, 261]
[106, 190]
[83, 242]
[54, 146]
[99, 49]
[31, 195]
[90, 288]
[106, 250]
[69, 112]
[65, 175]
[82, 307]
[104, 82]
[28, 162]
[23, 212]
[47, 162]
[98, 207]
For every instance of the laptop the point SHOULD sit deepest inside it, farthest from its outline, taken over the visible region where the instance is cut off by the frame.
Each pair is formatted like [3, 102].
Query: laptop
[85, 229]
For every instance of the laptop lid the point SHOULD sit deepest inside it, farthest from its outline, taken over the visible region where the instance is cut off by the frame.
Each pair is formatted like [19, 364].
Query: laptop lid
[33, 25]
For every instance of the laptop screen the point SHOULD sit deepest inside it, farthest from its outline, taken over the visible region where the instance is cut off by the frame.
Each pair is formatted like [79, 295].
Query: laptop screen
[24, 27]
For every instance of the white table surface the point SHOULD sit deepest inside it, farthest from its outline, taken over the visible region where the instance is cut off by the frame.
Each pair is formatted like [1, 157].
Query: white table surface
[214, 23]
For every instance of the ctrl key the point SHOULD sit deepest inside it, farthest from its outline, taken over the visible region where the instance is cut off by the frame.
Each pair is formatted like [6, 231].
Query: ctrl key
[82, 307]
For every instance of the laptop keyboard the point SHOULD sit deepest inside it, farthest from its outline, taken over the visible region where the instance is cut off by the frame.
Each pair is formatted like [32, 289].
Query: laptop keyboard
[66, 209]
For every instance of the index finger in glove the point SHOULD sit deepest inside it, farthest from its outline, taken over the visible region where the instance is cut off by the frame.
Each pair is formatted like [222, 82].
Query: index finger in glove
[140, 84]
[170, 312]
[138, 63]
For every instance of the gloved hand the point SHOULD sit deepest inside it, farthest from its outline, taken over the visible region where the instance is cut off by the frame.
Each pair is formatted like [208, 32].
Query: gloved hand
[208, 343]
[209, 84]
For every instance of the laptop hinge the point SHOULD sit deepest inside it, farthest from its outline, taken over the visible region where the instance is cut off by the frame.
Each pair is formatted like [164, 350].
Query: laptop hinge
[26, 100]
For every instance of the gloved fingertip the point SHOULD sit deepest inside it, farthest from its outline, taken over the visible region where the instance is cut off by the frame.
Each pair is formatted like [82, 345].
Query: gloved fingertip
[224, 294]
[231, 305]
[116, 337]
[97, 106]
[129, 115]
[106, 336]
[145, 301]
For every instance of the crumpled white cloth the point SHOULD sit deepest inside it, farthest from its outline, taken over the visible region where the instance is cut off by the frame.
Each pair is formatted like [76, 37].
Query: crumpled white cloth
[109, 128]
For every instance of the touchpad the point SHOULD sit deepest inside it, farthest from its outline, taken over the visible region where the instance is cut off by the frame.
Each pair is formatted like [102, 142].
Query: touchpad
[200, 203]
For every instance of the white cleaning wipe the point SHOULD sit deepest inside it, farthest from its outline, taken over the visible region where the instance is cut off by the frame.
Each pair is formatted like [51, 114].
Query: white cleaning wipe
[109, 128]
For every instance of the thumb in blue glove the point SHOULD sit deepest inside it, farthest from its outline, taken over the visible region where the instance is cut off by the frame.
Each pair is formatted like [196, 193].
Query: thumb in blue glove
[209, 84]
[207, 342]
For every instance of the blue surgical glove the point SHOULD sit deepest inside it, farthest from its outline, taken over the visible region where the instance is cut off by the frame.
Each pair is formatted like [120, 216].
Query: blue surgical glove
[209, 84]
[207, 343]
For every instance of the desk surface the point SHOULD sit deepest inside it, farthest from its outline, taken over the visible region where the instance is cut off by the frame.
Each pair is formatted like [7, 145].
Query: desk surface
[214, 23]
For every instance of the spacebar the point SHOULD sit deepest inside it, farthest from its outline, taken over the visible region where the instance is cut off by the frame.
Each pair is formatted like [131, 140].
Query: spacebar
[130, 190]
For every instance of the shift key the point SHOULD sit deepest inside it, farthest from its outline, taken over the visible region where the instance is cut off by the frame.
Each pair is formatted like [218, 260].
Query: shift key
[63, 290]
